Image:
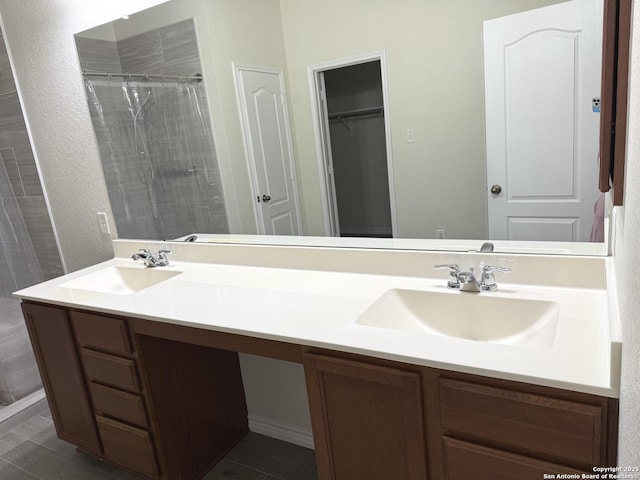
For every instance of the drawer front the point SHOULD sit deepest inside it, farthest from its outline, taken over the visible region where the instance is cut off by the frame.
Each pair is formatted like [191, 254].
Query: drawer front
[107, 369]
[124, 406]
[464, 460]
[128, 446]
[509, 418]
[100, 332]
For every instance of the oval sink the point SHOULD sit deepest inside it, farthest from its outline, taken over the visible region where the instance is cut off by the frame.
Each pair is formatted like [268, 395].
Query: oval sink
[120, 280]
[484, 318]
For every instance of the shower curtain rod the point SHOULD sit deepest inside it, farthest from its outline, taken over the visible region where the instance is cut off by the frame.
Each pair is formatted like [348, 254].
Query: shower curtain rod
[145, 76]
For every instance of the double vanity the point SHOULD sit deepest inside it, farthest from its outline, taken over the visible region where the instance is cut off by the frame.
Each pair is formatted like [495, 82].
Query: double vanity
[406, 378]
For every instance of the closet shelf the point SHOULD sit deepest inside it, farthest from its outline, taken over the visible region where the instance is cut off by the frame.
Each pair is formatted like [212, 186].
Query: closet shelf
[360, 112]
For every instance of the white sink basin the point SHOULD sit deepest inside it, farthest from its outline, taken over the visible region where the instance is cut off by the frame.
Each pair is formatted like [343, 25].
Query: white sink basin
[484, 318]
[120, 280]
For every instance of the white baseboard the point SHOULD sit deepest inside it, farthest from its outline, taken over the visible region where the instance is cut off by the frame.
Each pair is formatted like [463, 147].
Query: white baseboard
[281, 431]
[23, 409]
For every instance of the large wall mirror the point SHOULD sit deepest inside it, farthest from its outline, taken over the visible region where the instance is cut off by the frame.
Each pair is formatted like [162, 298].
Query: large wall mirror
[373, 121]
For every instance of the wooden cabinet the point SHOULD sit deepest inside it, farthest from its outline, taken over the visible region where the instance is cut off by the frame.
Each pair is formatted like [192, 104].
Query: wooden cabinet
[571, 431]
[112, 376]
[166, 401]
[377, 419]
[57, 358]
[367, 420]
[464, 460]
[159, 408]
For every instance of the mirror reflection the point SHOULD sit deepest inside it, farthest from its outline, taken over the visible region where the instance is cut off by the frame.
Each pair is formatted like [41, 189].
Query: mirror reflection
[411, 120]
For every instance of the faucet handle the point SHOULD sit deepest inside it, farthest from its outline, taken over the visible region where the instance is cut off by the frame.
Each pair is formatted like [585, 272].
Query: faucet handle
[162, 260]
[454, 271]
[494, 268]
[487, 281]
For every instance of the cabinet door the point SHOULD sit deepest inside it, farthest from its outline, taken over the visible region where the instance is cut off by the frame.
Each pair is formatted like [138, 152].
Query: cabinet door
[463, 460]
[59, 365]
[367, 420]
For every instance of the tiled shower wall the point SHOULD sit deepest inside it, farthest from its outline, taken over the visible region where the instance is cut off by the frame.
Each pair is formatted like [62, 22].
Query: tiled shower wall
[175, 188]
[28, 251]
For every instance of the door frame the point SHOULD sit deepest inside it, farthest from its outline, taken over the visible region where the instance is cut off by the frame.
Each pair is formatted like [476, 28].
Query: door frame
[246, 141]
[314, 71]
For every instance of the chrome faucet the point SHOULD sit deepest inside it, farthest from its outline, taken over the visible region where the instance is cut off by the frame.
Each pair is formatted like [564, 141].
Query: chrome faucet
[151, 260]
[486, 247]
[468, 282]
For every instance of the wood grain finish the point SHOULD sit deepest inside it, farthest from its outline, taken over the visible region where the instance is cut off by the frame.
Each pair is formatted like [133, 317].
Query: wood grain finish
[101, 332]
[514, 419]
[225, 341]
[110, 370]
[197, 403]
[465, 460]
[128, 446]
[57, 358]
[120, 405]
[372, 418]
[367, 420]
[614, 97]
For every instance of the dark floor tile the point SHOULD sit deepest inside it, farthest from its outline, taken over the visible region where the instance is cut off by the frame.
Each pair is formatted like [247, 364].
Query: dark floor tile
[11, 472]
[43, 463]
[227, 470]
[275, 457]
[8, 441]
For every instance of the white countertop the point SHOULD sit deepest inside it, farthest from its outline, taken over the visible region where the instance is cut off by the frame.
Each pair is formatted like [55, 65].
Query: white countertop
[320, 308]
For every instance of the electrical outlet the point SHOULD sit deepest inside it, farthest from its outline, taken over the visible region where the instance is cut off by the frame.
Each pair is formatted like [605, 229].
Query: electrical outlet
[103, 222]
[411, 135]
[441, 234]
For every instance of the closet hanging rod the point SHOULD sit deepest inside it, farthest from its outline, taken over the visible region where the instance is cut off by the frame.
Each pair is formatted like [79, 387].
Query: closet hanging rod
[147, 76]
[356, 113]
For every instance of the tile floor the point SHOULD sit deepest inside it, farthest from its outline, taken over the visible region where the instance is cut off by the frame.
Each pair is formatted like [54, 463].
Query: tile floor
[31, 451]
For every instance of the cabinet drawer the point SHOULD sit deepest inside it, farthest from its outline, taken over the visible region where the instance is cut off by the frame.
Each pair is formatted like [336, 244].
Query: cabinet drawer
[100, 332]
[121, 405]
[464, 460]
[558, 428]
[128, 446]
[110, 370]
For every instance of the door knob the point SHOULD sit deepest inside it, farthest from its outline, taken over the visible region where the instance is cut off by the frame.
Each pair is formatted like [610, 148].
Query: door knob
[496, 189]
[266, 198]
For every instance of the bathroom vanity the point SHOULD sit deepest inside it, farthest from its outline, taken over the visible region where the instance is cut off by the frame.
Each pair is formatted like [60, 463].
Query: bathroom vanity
[142, 369]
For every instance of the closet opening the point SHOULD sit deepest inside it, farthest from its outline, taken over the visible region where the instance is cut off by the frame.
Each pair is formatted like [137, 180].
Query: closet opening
[352, 129]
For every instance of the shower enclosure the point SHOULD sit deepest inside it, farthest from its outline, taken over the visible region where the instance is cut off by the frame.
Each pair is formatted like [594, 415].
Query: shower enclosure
[154, 133]
[28, 249]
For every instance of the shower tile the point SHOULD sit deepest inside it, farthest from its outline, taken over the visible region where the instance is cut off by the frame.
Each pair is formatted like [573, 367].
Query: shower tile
[36, 218]
[5, 393]
[179, 40]
[6, 75]
[13, 172]
[10, 313]
[13, 131]
[18, 362]
[98, 55]
[142, 53]
[180, 48]
[28, 170]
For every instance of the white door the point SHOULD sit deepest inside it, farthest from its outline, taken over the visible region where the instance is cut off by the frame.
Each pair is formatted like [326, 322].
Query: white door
[542, 72]
[268, 144]
[328, 156]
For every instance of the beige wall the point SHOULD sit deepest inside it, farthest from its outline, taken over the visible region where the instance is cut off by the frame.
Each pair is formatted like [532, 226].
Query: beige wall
[245, 32]
[440, 95]
[627, 266]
